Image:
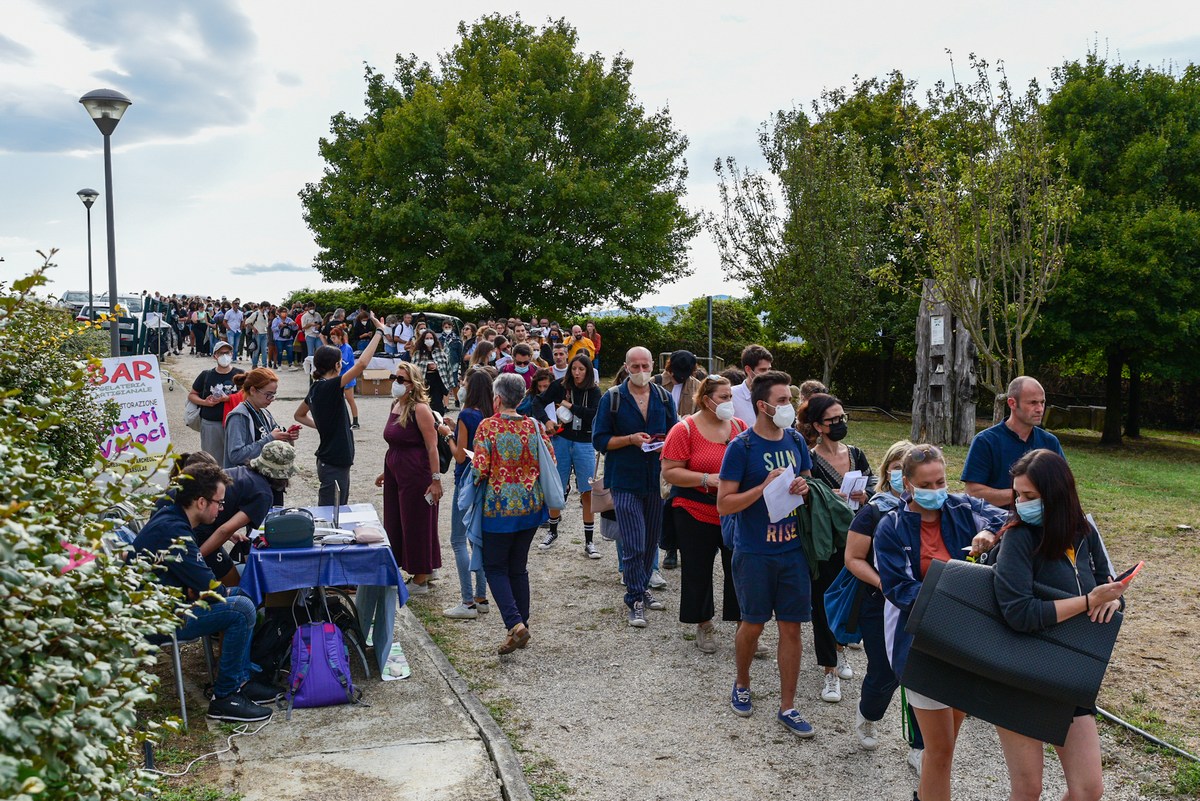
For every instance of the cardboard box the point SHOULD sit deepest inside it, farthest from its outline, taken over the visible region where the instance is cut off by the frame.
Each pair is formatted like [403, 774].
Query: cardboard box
[375, 382]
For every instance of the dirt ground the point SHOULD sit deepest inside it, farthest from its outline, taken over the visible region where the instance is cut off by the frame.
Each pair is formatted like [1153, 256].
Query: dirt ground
[602, 711]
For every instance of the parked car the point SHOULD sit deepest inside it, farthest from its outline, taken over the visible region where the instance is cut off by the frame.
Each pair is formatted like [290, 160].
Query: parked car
[434, 320]
[74, 300]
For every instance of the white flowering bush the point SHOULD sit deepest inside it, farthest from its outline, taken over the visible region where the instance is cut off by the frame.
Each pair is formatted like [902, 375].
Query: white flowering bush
[74, 662]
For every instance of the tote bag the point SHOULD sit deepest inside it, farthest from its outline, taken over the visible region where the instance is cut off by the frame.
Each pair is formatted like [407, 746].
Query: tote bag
[552, 486]
[602, 499]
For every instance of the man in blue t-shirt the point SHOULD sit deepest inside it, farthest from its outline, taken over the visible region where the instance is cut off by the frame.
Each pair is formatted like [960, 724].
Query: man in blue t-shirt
[770, 572]
[994, 450]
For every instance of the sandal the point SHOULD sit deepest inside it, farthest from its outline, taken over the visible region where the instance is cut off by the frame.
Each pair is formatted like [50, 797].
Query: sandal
[518, 637]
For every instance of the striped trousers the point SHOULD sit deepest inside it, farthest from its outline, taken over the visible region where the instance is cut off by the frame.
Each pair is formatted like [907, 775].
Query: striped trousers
[639, 518]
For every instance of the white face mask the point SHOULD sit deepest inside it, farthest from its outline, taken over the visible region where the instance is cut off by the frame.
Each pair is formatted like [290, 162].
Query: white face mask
[399, 389]
[724, 411]
[429, 342]
[224, 360]
[462, 395]
[784, 415]
[640, 379]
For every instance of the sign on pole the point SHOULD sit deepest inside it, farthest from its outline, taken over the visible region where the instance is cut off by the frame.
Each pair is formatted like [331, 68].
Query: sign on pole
[140, 437]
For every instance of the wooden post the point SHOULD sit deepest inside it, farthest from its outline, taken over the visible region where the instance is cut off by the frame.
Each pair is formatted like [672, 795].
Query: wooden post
[943, 409]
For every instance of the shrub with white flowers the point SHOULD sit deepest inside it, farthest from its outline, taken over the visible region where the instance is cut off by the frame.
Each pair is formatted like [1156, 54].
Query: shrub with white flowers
[74, 662]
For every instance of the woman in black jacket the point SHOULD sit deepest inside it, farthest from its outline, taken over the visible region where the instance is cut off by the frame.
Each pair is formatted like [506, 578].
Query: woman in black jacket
[576, 398]
[1050, 542]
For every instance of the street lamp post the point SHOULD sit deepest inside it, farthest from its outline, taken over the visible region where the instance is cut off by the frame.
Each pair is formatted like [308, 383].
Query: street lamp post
[88, 196]
[105, 106]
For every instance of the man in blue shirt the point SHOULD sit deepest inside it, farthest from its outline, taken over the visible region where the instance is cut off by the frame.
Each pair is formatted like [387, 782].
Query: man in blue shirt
[770, 571]
[644, 414]
[994, 450]
[167, 540]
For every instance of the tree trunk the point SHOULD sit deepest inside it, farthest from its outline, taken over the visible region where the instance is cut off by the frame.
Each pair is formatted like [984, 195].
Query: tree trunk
[1112, 398]
[1133, 419]
[827, 372]
[883, 375]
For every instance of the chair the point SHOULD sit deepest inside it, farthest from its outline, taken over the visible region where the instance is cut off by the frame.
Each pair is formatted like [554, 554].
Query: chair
[174, 644]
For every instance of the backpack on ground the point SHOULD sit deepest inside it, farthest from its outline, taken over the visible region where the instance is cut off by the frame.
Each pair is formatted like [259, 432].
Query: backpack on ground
[320, 670]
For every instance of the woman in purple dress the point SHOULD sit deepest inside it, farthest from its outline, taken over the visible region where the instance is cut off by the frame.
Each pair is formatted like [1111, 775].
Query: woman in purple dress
[412, 485]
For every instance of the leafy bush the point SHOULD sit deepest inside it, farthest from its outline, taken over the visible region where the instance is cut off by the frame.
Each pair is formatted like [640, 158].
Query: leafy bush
[350, 299]
[620, 332]
[74, 663]
[735, 325]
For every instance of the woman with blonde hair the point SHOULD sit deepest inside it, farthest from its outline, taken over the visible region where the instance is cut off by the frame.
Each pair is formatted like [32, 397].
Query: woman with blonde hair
[411, 481]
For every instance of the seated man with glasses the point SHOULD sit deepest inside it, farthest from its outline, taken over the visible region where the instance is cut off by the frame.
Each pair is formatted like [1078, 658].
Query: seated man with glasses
[207, 607]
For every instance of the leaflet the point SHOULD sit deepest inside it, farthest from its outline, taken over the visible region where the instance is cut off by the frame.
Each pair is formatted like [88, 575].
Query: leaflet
[779, 498]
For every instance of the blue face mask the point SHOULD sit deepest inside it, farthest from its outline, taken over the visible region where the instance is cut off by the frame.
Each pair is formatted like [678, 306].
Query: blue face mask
[1030, 511]
[896, 479]
[931, 499]
[521, 368]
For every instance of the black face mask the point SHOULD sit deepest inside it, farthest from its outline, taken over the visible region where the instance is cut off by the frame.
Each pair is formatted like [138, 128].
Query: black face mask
[837, 432]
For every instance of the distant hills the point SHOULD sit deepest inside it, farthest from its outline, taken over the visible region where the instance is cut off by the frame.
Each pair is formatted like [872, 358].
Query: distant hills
[663, 313]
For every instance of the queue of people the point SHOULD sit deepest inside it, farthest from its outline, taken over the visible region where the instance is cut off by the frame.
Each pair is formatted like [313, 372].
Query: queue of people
[691, 454]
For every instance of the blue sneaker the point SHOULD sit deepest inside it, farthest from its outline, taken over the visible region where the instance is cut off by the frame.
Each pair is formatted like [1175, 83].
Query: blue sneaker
[797, 725]
[740, 701]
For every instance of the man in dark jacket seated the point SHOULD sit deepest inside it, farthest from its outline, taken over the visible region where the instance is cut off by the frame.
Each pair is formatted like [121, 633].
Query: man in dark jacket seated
[167, 541]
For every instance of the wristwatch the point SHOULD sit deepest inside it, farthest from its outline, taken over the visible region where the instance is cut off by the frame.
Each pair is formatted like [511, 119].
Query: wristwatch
[437, 476]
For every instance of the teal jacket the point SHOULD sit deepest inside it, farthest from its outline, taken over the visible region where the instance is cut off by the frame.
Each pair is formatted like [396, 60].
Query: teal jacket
[823, 521]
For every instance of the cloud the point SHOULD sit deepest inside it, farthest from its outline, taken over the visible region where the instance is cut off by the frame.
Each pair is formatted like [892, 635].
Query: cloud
[11, 51]
[277, 267]
[185, 65]
[288, 78]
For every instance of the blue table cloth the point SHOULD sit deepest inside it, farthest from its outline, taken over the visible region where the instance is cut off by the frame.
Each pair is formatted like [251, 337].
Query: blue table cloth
[371, 568]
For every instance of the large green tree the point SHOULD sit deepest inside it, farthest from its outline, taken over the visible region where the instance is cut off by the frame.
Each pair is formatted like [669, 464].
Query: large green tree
[807, 256]
[1130, 295]
[992, 203]
[519, 169]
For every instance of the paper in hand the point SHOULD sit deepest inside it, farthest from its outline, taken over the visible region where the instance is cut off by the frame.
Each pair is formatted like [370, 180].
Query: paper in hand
[650, 447]
[853, 482]
[778, 497]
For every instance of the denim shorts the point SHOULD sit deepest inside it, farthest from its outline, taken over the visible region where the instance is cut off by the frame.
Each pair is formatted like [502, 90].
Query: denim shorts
[578, 455]
[773, 584]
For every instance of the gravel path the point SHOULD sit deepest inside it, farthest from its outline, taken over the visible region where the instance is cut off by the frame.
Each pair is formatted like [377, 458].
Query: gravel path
[621, 713]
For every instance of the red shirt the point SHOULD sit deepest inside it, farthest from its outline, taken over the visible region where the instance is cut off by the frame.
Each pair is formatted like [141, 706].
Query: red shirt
[686, 444]
[932, 544]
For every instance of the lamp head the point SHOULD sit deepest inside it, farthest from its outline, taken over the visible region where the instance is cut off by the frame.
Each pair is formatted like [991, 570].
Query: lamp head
[105, 106]
[88, 196]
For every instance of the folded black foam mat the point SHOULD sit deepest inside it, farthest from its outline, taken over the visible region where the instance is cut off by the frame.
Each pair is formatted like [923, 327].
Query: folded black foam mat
[1012, 708]
[956, 620]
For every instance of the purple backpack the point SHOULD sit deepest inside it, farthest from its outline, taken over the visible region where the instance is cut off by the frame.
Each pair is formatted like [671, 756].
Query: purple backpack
[320, 668]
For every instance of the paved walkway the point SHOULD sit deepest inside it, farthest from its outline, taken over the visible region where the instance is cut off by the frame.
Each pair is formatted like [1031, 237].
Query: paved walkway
[426, 738]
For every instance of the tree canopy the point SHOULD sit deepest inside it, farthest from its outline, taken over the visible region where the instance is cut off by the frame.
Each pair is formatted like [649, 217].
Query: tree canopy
[519, 168]
[1130, 295]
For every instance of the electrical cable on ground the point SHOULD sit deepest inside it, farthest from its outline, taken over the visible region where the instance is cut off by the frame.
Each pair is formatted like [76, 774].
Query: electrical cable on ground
[238, 732]
[1104, 713]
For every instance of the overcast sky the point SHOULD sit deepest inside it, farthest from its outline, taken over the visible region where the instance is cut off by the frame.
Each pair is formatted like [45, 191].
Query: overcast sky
[231, 97]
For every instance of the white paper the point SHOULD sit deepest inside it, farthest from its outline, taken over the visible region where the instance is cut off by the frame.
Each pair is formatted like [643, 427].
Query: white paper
[778, 497]
[853, 482]
[650, 447]
[552, 413]
[470, 454]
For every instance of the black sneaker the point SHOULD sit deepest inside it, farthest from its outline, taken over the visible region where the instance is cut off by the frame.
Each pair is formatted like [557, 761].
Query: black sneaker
[548, 540]
[237, 708]
[671, 560]
[261, 692]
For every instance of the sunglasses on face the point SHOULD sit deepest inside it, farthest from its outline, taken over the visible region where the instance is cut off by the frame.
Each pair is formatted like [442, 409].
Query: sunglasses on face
[402, 380]
[519, 363]
[832, 421]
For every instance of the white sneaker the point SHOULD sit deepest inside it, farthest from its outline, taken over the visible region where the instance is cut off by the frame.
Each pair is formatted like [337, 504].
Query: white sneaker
[657, 582]
[855, 646]
[461, 612]
[866, 732]
[415, 589]
[833, 689]
[916, 757]
[844, 670]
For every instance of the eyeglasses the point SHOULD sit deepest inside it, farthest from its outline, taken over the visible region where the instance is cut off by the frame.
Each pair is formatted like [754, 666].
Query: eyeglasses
[923, 453]
[220, 504]
[267, 395]
[833, 421]
[402, 380]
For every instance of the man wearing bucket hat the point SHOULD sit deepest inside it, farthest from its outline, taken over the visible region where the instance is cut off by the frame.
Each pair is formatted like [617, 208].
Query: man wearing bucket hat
[255, 488]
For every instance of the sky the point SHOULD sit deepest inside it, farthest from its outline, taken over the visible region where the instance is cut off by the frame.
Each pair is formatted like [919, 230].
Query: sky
[231, 97]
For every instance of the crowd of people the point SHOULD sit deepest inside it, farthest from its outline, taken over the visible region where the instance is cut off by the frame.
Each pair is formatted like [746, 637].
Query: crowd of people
[687, 457]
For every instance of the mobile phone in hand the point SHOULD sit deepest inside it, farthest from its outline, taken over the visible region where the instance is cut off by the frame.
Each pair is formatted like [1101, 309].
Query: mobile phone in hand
[429, 498]
[1126, 577]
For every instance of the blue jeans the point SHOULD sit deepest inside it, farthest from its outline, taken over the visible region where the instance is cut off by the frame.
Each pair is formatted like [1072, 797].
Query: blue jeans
[505, 555]
[578, 455]
[880, 683]
[284, 347]
[462, 552]
[313, 343]
[235, 339]
[640, 519]
[235, 616]
[261, 353]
